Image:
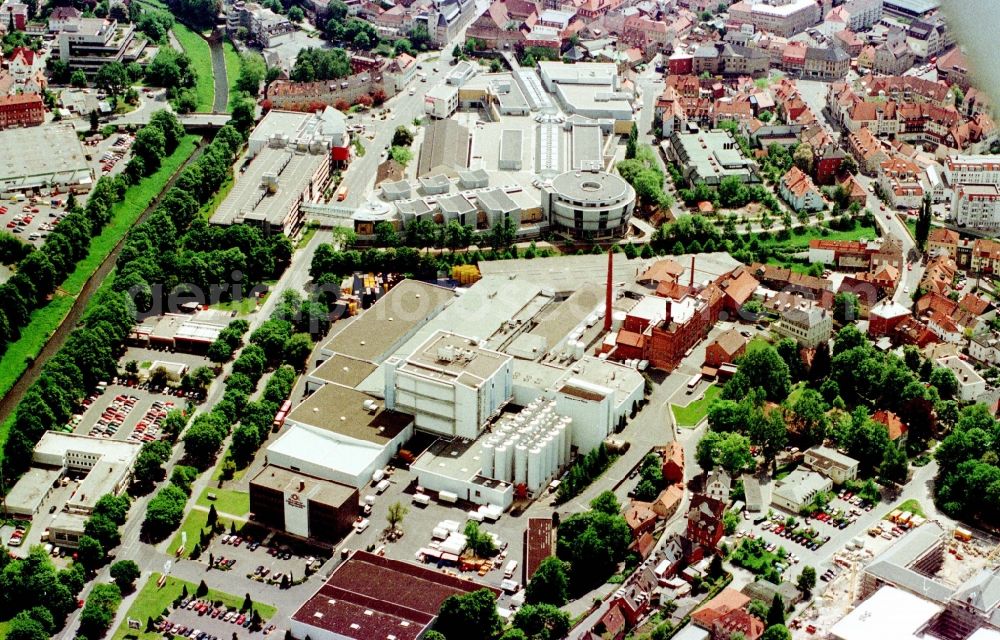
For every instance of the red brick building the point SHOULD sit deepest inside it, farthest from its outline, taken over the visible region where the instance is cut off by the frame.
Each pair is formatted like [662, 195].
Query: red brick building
[704, 521]
[673, 463]
[725, 349]
[23, 110]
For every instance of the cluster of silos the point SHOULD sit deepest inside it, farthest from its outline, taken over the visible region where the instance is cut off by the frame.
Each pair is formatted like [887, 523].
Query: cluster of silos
[573, 349]
[529, 448]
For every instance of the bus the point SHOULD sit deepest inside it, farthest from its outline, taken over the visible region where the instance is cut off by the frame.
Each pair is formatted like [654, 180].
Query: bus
[279, 418]
[693, 382]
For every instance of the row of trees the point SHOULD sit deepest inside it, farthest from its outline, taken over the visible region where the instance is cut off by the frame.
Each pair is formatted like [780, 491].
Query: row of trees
[968, 479]
[641, 170]
[38, 273]
[36, 595]
[584, 471]
[474, 616]
[593, 542]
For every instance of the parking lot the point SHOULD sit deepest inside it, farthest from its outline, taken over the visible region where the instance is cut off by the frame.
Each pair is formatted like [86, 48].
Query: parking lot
[198, 616]
[32, 221]
[264, 563]
[124, 413]
[812, 540]
[48, 510]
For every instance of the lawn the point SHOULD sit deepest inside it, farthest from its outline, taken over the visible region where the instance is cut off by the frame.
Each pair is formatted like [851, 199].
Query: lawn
[153, 601]
[126, 213]
[796, 241]
[194, 523]
[232, 57]
[242, 308]
[236, 503]
[910, 505]
[756, 344]
[696, 411]
[201, 61]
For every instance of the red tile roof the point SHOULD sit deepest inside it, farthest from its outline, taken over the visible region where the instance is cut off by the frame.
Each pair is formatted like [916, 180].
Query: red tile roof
[892, 423]
[727, 600]
[539, 544]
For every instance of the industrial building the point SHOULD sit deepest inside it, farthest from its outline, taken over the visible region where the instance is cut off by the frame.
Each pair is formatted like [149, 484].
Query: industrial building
[280, 177]
[340, 434]
[798, 489]
[450, 384]
[590, 89]
[27, 161]
[302, 505]
[370, 596]
[326, 129]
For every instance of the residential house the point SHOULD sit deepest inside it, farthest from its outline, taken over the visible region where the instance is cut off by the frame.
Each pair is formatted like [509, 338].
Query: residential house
[807, 323]
[893, 424]
[21, 110]
[727, 601]
[826, 63]
[719, 485]
[28, 71]
[669, 500]
[704, 523]
[832, 464]
[942, 241]
[725, 349]
[673, 463]
[899, 180]
[640, 517]
[799, 192]
[867, 150]
[798, 489]
[971, 385]
[894, 57]
[737, 623]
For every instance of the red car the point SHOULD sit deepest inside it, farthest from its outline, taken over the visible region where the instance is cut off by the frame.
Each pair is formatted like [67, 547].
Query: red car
[778, 529]
[34, 210]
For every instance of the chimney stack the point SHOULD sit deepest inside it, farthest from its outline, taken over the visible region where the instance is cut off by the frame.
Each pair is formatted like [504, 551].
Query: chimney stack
[691, 284]
[607, 292]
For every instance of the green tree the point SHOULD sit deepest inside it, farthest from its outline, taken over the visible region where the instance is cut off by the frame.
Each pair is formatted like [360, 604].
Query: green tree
[894, 464]
[923, 227]
[469, 617]
[479, 541]
[113, 78]
[807, 579]
[78, 79]
[730, 521]
[777, 632]
[607, 503]
[402, 137]
[99, 611]
[944, 380]
[295, 14]
[394, 516]
[846, 308]
[549, 584]
[125, 573]
[89, 552]
[776, 613]
[24, 627]
[762, 368]
[632, 141]
[542, 621]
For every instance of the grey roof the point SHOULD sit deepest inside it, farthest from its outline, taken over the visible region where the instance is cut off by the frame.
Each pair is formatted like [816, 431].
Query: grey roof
[893, 566]
[721, 478]
[829, 54]
[510, 145]
[496, 200]
[751, 490]
[456, 204]
[913, 6]
[446, 143]
[981, 591]
[833, 456]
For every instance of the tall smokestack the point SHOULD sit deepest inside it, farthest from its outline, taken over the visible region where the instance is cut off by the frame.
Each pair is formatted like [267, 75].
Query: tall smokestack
[692, 273]
[607, 291]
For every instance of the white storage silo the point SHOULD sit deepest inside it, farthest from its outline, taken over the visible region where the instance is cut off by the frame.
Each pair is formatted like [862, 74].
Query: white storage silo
[578, 348]
[535, 475]
[486, 453]
[501, 464]
[520, 464]
[568, 445]
[560, 430]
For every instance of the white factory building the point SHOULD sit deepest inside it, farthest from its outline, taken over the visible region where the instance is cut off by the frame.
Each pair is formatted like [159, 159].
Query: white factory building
[529, 448]
[451, 385]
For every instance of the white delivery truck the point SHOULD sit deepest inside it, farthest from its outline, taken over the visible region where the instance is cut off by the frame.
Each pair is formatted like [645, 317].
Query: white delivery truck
[475, 515]
[377, 476]
[421, 499]
[447, 496]
[508, 571]
[382, 486]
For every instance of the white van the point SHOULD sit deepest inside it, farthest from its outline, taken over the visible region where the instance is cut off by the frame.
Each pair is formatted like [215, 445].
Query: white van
[382, 486]
[475, 515]
[422, 499]
[508, 571]
[378, 475]
[361, 525]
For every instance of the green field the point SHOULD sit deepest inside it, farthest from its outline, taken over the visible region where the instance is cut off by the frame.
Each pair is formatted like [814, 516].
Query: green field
[236, 503]
[152, 602]
[201, 61]
[232, 57]
[46, 320]
[910, 505]
[796, 241]
[695, 412]
[194, 523]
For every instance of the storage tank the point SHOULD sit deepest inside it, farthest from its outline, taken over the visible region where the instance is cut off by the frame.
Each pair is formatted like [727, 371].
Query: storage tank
[501, 464]
[535, 475]
[560, 430]
[520, 463]
[568, 444]
[578, 348]
[486, 454]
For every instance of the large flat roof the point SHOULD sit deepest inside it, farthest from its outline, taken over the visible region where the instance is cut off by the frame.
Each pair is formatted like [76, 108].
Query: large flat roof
[566, 315]
[449, 356]
[893, 566]
[54, 443]
[341, 410]
[325, 449]
[446, 143]
[318, 490]
[587, 143]
[565, 274]
[31, 489]
[50, 152]
[344, 370]
[880, 617]
[380, 329]
[275, 179]
[370, 596]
